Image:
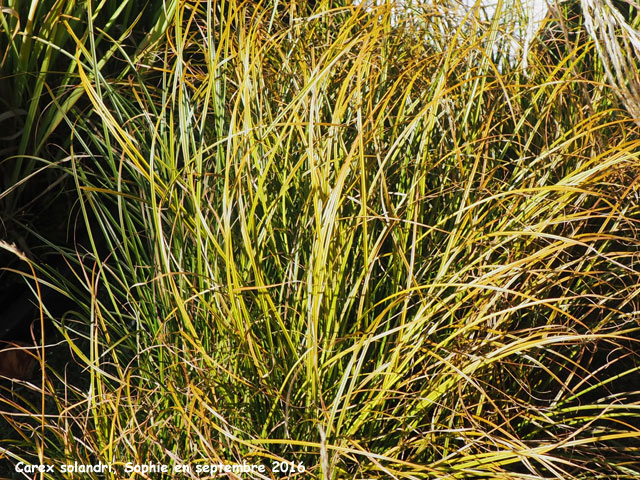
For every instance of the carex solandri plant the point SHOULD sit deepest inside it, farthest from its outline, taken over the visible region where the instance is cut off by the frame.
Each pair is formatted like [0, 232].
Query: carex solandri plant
[362, 239]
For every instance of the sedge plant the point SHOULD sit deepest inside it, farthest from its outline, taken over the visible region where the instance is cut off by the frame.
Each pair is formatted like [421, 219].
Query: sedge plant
[346, 241]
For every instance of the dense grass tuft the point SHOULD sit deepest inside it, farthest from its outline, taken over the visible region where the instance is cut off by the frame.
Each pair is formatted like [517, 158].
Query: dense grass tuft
[365, 240]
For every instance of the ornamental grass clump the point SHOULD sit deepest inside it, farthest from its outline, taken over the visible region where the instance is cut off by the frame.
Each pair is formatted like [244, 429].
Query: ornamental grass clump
[358, 239]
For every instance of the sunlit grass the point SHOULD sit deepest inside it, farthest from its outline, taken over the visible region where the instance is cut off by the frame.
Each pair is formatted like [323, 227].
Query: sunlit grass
[374, 248]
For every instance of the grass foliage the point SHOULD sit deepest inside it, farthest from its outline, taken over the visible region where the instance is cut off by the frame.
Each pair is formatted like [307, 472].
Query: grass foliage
[364, 239]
